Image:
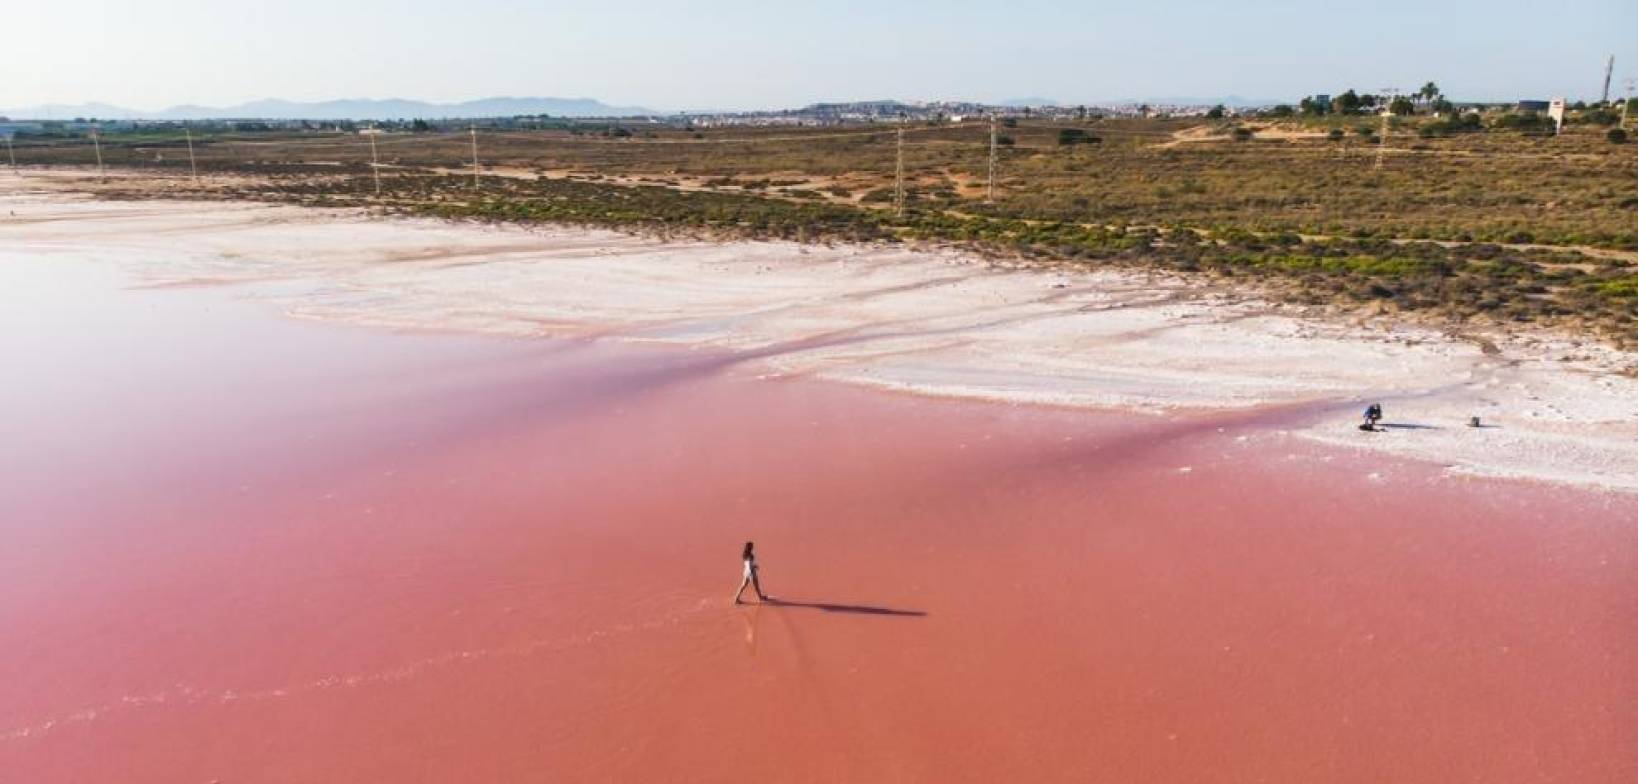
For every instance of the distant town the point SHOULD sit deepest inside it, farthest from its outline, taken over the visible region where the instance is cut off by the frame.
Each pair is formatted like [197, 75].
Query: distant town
[815, 115]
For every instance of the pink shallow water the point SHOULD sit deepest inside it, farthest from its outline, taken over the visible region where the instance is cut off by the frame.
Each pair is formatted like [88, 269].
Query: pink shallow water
[245, 549]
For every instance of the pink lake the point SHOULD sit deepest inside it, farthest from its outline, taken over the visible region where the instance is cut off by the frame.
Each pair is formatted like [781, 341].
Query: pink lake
[240, 548]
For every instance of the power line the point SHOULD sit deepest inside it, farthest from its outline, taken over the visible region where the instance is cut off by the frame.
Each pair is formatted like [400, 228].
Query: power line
[534, 137]
[816, 136]
[572, 139]
[964, 137]
[931, 129]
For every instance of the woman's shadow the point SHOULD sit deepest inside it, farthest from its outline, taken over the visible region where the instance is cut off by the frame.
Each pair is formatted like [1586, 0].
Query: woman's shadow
[858, 609]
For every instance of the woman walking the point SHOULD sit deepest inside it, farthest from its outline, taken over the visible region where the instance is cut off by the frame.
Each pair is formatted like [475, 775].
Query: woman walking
[749, 556]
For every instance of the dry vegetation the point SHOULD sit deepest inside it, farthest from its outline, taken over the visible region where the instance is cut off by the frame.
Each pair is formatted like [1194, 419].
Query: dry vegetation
[1481, 228]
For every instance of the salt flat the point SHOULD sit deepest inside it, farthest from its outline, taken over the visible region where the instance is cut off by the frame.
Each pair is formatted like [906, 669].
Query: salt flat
[925, 321]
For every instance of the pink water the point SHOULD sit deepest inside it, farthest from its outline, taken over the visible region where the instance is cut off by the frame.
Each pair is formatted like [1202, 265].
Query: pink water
[240, 548]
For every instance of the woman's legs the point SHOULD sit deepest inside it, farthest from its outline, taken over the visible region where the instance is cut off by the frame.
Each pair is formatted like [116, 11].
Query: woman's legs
[756, 581]
[742, 584]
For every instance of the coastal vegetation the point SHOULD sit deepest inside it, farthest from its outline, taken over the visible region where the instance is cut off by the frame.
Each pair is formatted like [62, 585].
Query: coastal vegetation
[1467, 217]
[1472, 283]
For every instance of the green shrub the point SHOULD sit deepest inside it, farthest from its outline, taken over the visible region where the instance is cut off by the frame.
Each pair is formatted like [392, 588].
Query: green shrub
[1625, 288]
[1522, 121]
[1072, 136]
[1597, 117]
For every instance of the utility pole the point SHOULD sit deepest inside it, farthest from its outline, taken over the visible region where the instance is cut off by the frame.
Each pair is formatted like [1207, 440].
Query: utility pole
[12, 154]
[193, 165]
[98, 145]
[1382, 140]
[1388, 94]
[375, 165]
[475, 170]
[898, 177]
[991, 197]
[1609, 70]
[1626, 104]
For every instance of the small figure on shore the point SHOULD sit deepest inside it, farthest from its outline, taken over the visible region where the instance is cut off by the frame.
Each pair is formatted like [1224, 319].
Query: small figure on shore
[751, 578]
[1373, 414]
[1473, 422]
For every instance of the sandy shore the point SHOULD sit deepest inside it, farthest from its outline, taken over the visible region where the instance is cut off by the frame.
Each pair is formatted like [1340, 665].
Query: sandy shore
[931, 322]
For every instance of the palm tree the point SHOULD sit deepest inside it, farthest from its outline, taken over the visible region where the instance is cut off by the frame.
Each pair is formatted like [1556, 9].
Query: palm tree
[1428, 92]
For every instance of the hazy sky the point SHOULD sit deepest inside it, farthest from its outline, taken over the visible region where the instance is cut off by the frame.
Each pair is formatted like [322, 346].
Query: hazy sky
[677, 54]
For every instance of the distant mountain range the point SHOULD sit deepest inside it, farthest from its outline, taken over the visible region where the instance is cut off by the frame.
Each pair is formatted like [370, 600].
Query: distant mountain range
[345, 109]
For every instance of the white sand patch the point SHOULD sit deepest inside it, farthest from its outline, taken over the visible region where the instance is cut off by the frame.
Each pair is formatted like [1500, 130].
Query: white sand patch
[932, 322]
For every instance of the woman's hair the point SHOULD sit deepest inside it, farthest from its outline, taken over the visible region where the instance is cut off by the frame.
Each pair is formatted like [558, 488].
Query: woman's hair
[747, 554]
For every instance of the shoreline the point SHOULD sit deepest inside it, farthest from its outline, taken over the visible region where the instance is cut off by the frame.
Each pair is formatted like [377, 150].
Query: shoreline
[933, 322]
